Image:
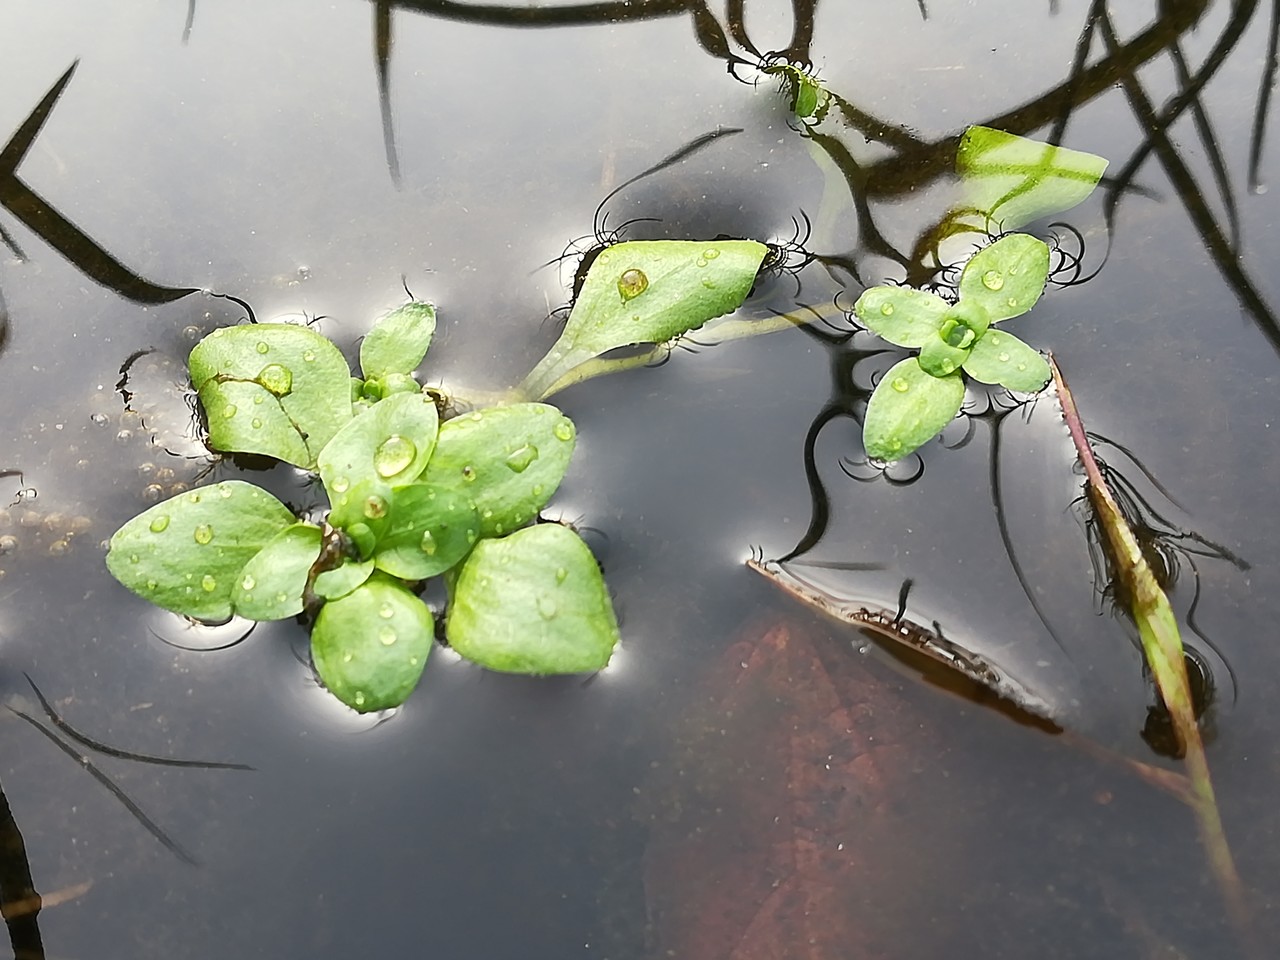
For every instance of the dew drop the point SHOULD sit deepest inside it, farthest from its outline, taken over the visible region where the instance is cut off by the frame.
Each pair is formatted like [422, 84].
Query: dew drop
[1022, 367]
[309, 356]
[225, 491]
[386, 636]
[428, 544]
[711, 253]
[547, 608]
[471, 536]
[386, 611]
[469, 473]
[701, 261]
[160, 523]
[247, 582]
[561, 574]
[203, 533]
[537, 489]
[520, 458]
[281, 597]
[993, 279]
[134, 558]
[229, 410]
[632, 283]
[359, 698]
[900, 384]
[886, 309]
[152, 585]
[262, 347]
[341, 485]
[347, 658]
[947, 365]
[193, 496]
[375, 507]
[1003, 357]
[255, 423]
[393, 455]
[276, 378]
[708, 283]
[208, 584]
[563, 430]
[1012, 302]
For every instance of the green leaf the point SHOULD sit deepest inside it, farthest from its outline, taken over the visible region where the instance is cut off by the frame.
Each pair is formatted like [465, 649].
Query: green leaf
[1013, 180]
[390, 443]
[186, 553]
[370, 647]
[1007, 277]
[272, 583]
[901, 315]
[1002, 358]
[341, 580]
[507, 460]
[398, 342]
[649, 291]
[908, 408]
[939, 359]
[430, 529]
[363, 510]
[533, 603]
[274, 389]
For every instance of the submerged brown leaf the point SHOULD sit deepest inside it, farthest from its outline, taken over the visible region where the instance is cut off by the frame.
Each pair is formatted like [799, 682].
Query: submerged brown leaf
[787, 824]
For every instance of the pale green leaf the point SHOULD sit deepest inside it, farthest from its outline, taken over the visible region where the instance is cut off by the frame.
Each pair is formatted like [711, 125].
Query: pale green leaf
[532, 603]
[186, 553]
[398, 342]
[391, 443]
[901, 315]
[1006, 277]
[649, 291]
[507, 460]
[1002, 358]
[1013, 180]
[370, 647]
[272, 583]
[274, 389]
[336, 583]
[908, 408]
[429, 530]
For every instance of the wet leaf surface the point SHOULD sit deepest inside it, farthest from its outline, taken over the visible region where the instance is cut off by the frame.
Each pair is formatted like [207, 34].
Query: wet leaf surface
[398, 342]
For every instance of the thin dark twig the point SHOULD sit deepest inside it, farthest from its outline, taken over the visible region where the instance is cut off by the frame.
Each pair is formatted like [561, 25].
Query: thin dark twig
[150, 825]
[116, 752]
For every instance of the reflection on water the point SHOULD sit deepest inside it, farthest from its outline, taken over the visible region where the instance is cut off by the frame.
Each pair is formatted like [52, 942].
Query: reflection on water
[457, 147]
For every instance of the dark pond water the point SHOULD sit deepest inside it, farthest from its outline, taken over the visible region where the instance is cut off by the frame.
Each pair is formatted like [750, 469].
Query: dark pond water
[244, 148]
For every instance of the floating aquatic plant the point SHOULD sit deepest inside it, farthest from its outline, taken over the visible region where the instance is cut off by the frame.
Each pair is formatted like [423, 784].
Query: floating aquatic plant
[409, 498]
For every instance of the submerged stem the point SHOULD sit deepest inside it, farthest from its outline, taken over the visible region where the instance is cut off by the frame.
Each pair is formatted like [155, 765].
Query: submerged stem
[1162, 647]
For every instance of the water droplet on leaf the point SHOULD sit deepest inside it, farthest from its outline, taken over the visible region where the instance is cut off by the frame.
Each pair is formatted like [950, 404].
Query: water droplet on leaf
[229, 410]
[208, 584]
[386, 636]
[262, 347]
[900, 385]
[561, 574]
[993, 279]
[563, 430]
[375, 507]
[711, 253]
[632, 283]
[341, 485]
[547, 608]
[277, 379]
[1003, 357]
[203, 533]
[160, 523]
[393, 455]
[520, 458]
[886, 309]
[469, 473]
[248, 583]
[428, 544]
